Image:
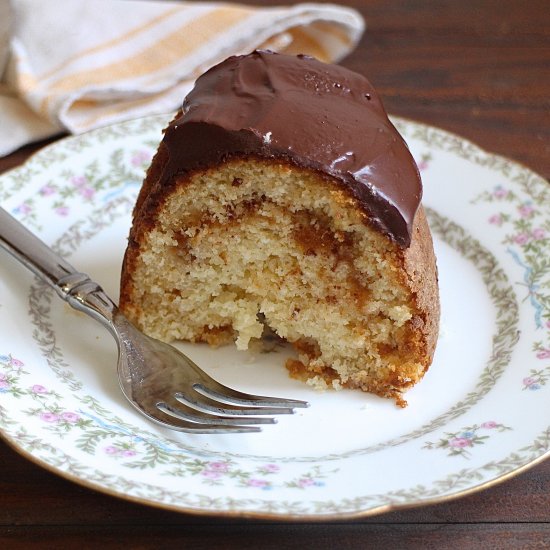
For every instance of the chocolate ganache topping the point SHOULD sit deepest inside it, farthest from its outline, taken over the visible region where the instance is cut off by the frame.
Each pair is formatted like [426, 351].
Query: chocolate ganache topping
[311, 114]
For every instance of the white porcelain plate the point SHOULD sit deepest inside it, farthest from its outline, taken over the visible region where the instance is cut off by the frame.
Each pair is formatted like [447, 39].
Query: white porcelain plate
[481, 414]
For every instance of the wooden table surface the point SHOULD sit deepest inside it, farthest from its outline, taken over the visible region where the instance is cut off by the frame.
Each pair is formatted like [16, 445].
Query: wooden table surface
[478, 68]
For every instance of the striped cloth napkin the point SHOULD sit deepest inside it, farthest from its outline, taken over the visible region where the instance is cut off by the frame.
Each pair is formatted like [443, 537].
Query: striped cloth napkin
[74, 65]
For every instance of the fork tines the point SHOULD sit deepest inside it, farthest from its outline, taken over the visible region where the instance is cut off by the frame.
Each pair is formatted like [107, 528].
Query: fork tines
[224, 410]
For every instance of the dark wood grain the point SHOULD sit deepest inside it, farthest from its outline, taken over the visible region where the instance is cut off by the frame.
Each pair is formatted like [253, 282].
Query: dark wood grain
[478, 68]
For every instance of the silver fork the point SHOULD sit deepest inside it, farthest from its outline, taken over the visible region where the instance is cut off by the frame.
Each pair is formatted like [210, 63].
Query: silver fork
[160, 381]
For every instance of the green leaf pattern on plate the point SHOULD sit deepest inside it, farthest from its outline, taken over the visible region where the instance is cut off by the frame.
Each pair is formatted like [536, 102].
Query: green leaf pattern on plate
[521, 215]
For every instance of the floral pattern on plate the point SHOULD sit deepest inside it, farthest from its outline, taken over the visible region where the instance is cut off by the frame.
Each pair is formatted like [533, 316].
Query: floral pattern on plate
[462, 442]
[346, 455]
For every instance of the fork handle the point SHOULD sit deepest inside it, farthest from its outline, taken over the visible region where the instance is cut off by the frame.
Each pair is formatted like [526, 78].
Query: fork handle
[71, 285]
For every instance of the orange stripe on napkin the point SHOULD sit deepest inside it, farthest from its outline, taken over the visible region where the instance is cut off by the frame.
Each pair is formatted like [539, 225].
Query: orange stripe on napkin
[163, 53]
[302, 42]
[118, 40]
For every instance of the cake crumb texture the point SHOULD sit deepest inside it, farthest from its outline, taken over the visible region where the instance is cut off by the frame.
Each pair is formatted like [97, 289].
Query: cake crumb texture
[251, 243]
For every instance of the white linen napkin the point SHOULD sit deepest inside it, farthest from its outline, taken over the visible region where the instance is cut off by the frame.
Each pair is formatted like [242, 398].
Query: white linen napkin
[74, 65]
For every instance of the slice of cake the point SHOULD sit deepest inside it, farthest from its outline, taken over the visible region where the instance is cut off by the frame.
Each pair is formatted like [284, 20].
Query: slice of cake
[282, 197]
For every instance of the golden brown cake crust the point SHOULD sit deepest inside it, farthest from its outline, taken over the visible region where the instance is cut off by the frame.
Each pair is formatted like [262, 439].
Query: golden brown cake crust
[421, 268]
[143, 218]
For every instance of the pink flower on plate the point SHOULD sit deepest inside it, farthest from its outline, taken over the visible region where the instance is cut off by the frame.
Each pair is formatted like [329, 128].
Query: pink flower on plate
[521, 238]
[543, 354]
[62, 210]
[526, 210]
[128, 452]
[220, 467]
[140, 157]
[70, 417]
[271, 468]
[87, 192]
[496, 219]
[306, 482]
[258, 483]
[49, 417]
[16, 362]
[489, 425]
[4, 384]
[23, 208]
[110, 450]
[47, 190]
[500, 192]
[79, 181]
[538, 234]
[460, 442]
[37, 388]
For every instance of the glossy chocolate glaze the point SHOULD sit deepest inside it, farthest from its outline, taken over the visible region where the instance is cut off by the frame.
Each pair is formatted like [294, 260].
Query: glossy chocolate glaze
[313, 115]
